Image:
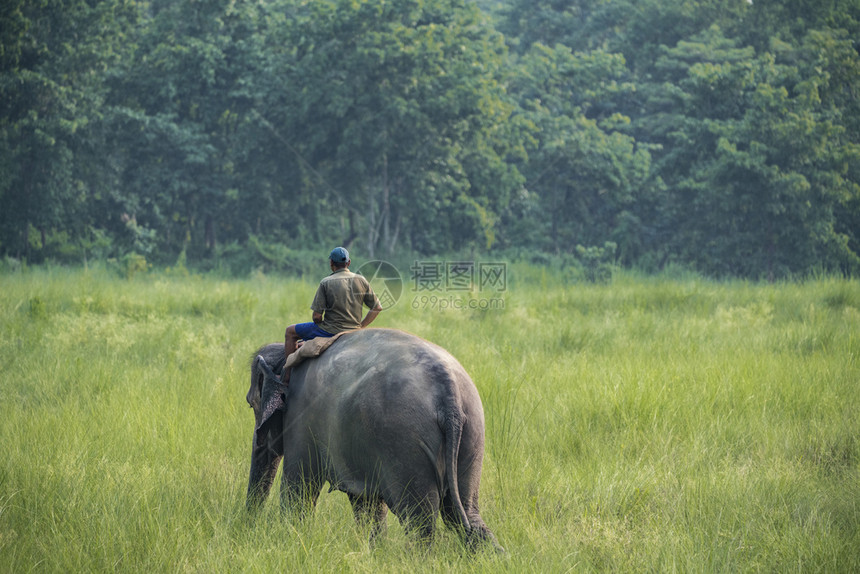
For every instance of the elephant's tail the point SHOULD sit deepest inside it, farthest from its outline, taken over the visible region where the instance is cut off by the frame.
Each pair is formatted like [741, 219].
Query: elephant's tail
[452, 426]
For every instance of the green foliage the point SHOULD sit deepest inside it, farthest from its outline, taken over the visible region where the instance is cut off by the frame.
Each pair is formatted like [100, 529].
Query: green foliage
[180, 268]
[648, 424]
[756, 180]
[132, 264]
[708, 134]
[276, 257]
[398, 116]
[37, 308]
[584, 170]
[598, 262]
[52, 92]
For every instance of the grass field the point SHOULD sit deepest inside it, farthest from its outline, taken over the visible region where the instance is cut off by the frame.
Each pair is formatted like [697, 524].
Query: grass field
[647, 425]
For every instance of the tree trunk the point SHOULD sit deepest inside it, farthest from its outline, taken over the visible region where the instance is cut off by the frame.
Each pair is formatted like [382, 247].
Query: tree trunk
[351, 233]
[372, 231]
[27, 241]
[210, 234]
[393, 242]
[386, 204]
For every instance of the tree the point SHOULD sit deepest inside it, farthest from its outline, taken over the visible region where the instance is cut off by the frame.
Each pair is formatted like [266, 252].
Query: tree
[180, 108]
[52, 89]
[751, 161]
[587, 174]
[399, 108]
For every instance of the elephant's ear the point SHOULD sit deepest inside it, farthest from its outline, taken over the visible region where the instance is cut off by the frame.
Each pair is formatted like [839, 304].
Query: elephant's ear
[273, 394]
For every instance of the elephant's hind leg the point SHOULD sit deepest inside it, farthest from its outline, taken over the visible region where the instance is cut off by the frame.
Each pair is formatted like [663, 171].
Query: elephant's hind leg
[418, 516]
[369, 510]
[451, 516]
[475, 534]
[479, 535]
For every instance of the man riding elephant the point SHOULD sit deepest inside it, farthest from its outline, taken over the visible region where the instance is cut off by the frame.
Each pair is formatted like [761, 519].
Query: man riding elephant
[337, 306]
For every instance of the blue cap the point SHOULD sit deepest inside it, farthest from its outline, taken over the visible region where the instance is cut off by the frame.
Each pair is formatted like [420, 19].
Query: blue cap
[339, 255]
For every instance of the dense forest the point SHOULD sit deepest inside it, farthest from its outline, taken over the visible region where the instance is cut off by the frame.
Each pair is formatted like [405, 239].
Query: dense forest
[722, 136]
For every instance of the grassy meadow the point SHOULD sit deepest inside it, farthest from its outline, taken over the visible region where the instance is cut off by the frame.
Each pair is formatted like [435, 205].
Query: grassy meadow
[645, 425]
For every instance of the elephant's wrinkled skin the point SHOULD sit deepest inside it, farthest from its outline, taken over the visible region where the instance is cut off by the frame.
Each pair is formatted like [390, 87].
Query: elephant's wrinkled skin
[389, 418]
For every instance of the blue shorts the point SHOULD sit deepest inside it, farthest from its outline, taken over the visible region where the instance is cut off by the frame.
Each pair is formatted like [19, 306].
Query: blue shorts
[310, 330]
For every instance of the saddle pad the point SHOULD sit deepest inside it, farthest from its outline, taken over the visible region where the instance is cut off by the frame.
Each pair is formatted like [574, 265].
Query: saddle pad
[313, 348]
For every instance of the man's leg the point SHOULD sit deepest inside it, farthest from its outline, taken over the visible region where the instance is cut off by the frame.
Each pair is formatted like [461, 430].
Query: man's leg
[295, 333]
[291, 339]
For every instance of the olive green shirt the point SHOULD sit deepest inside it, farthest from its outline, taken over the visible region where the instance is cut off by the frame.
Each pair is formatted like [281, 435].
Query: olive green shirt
[340, 297]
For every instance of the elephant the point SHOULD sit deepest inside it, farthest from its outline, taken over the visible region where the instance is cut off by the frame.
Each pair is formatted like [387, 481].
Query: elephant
[385, 416]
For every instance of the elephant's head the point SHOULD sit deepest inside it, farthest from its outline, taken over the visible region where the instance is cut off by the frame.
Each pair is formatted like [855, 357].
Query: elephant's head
[267, 396]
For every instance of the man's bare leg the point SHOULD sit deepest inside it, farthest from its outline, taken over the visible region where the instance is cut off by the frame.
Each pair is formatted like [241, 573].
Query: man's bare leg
[291, 339]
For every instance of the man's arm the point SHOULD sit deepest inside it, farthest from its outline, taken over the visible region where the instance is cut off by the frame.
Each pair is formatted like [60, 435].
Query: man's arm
[371, 315]
[318, 304]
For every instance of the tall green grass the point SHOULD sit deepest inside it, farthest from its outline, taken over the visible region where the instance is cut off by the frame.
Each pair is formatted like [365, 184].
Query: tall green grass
[650, 424]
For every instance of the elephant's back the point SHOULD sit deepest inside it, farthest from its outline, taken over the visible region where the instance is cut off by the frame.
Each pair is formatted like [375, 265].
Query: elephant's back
[387, 356]
[390, 370]
[391, 347]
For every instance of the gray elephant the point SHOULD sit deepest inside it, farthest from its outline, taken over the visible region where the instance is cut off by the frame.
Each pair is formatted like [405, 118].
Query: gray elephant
[387, 417]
